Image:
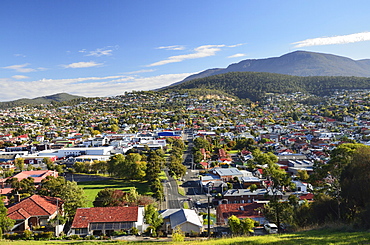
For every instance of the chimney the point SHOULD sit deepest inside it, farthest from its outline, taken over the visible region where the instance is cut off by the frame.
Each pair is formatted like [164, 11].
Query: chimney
[17, 198]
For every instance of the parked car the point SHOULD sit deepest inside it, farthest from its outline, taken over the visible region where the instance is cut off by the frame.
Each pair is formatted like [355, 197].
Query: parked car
[271, 228]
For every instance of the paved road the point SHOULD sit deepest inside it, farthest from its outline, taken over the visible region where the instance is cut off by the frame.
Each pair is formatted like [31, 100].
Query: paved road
[172, 196]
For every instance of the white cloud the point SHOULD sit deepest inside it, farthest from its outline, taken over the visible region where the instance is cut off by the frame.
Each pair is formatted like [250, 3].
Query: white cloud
[351, 38]
[85, 86]
[140, 71]
[20, 68]
[199, 52]
[237, 55]
[82, 64]
[236, 45]
[173, 47]
[106, 51]
[19, 77]
[19, 55]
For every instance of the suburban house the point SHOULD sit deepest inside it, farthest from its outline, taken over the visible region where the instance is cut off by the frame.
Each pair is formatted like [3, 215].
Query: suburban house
[187, 219]
[240, 210]
[106, 220]
[226, 174]
[35, 211]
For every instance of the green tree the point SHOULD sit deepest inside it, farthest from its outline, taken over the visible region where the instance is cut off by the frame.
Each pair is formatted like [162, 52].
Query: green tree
[19, 163]
[152, 217]
[51, 186]
[234, 225]
[73, 197]
[355, 187]
[5, 222]
[247, 225]
[154, 164]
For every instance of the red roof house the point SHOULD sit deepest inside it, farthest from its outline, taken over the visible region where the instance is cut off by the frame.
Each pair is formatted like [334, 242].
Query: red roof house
[34, 211]
[240, 210]
[105, 220]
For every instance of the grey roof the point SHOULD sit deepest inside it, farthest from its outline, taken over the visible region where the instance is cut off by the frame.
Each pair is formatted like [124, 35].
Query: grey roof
[247, 192]
[180, 216]
[227, 171]
[250, 179]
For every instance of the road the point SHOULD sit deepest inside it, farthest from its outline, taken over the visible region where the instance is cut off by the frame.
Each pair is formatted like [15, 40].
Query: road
[172, 196]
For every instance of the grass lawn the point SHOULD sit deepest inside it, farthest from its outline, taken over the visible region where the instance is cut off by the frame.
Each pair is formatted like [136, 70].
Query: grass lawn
[92, 188]
[304, 238]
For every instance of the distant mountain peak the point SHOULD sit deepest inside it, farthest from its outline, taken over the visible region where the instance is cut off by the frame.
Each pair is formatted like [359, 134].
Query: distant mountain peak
[297, 63]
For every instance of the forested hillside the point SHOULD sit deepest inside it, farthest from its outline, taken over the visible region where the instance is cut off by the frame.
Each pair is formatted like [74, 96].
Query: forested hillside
[254, 85]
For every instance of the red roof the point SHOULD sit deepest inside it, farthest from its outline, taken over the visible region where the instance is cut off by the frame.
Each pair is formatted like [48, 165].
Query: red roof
[240, 210]
[33, 206]
[84, 216]
[37, 175]
[308, 196]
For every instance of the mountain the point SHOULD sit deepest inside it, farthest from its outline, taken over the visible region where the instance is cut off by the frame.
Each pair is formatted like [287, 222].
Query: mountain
[60, 97]
[298, 63]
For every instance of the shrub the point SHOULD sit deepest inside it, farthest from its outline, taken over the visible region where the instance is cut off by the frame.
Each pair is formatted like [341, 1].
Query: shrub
[178, 235]
[27, 235]
[134, 231]
[74, 237]
[44, 235]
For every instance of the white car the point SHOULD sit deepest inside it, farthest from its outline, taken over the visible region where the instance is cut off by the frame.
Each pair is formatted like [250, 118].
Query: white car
[271, 228]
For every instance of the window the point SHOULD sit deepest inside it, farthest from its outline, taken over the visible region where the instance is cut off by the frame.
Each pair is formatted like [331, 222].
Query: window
[80, 231]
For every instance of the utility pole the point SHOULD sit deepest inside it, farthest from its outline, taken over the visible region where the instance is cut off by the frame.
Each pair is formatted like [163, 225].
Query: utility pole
[209, 218]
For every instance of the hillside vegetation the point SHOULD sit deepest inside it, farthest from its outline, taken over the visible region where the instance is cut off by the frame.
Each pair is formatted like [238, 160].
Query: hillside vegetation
[255, 85]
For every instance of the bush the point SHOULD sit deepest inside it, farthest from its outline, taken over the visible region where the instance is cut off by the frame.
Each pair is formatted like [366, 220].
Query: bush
[74, 237]
[13, 236]
[44, 235]
[178, 235]
[119, 233]
[27, 235]
[134, 231]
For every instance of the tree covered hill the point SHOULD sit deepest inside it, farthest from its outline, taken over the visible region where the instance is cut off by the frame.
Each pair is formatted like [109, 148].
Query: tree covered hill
[55, 98]
[254, 85]
[298, 63]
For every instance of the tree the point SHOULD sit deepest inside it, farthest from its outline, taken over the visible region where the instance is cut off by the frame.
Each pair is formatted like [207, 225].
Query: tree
[234, 225]
[19, 163]
[154, 164]
[110, 198]
[331, 172]
[6, 223]
[152, 217]
[253, 187]
[355, 187]
[247, 225]
[51, 186]
[302, 175]
[200, 142]
[73, 197]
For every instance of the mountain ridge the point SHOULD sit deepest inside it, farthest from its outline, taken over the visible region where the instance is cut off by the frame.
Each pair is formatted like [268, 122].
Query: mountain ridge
[297, 63]
[48, 99]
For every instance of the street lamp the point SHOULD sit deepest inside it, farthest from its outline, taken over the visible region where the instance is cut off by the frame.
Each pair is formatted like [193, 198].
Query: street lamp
[209, 211]
[209, 217]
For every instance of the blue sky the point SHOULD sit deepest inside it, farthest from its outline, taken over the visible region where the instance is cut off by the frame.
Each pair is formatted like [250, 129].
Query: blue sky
[107, 47]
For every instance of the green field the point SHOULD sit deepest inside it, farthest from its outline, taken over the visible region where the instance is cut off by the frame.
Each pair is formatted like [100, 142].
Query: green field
[309, 237]
[92, 188]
